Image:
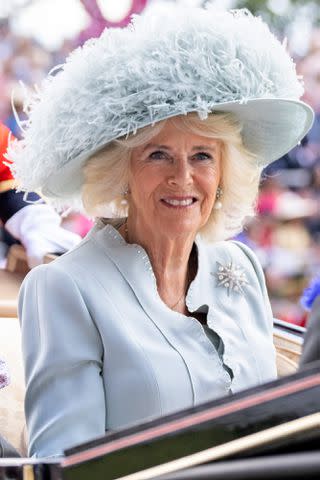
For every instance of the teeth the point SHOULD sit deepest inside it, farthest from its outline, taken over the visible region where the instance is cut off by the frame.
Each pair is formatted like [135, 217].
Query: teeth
[178, 203]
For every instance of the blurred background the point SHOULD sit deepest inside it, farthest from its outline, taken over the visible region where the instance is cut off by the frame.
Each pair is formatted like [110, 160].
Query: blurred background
[36, 35]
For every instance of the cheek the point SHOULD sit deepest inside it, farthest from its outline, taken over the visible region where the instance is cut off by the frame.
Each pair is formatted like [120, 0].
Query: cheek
[210, 197]
[143, 183]
[210, 182]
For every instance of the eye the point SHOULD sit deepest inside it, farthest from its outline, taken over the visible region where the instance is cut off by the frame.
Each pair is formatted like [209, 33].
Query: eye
[202, 156]
[158, 155]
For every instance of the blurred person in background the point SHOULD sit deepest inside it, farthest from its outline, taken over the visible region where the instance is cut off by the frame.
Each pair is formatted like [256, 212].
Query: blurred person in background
[311, 302]
[287, 268]
[35, 226]
[284, 245]
[307, 153]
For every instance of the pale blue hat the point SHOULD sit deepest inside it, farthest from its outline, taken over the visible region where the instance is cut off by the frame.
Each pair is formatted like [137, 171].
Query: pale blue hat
[182, 60]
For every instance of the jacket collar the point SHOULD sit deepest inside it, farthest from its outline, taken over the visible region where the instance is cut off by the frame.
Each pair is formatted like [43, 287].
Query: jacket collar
[133, 261]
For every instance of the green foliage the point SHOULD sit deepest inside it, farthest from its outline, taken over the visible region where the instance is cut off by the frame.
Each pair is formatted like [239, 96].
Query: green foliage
[256, 6]
[280, 22]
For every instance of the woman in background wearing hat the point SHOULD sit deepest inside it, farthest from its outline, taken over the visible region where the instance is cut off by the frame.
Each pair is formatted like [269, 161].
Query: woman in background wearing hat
[166, 126]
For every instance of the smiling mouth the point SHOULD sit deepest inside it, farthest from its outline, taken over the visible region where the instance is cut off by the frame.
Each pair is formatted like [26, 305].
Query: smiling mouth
[179, 202]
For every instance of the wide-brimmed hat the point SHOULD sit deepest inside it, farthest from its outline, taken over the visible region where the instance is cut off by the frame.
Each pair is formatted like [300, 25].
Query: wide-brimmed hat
[183, 60]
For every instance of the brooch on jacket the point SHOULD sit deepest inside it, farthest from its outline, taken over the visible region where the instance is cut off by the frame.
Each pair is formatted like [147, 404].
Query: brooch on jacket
[232, 277]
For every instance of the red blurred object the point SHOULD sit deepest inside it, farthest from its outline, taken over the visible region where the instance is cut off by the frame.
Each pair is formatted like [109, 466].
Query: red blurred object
[300, 321]
[6, 178]
[99, 22]
[78, 223]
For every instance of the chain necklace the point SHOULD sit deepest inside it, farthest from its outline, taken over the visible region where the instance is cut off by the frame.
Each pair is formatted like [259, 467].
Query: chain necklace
[126, 231]
[175, 304]
[188, 272]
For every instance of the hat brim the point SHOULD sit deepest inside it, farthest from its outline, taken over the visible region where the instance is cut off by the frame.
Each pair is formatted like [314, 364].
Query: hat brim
[271, 128]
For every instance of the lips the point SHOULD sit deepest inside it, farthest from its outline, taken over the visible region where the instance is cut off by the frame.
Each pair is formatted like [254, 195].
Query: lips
[179, 202]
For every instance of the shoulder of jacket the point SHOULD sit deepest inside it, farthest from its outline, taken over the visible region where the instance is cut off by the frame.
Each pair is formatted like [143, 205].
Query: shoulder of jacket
[50, 274]
[240, 248]
[233, 249]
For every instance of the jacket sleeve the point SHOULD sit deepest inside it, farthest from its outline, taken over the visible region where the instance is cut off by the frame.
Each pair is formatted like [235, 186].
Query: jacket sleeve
[63, 355]
[260, 304]
[262, 283]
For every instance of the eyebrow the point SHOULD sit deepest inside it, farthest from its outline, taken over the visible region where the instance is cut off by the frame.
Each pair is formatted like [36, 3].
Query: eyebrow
[165, 147]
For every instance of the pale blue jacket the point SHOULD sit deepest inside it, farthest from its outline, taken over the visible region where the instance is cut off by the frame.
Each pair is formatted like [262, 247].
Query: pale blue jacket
[102, 351]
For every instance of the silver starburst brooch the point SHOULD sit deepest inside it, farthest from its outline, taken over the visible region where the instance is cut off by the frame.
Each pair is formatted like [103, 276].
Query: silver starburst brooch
[232, 277]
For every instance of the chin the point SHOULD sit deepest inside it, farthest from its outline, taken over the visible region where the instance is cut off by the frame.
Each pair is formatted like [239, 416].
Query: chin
[176, 228]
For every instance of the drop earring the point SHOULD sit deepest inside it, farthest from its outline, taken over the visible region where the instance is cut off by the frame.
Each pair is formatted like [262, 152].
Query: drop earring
[124, 200]
[218, 203]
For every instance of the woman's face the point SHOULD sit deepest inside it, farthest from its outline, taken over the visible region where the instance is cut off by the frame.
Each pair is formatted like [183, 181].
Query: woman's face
[173, 181]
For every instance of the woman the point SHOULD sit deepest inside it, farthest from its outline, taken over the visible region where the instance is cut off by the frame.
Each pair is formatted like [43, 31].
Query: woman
[166, 125]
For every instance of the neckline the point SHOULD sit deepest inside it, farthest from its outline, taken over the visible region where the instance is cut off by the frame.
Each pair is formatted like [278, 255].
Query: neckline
[170, 320]
[142, 256]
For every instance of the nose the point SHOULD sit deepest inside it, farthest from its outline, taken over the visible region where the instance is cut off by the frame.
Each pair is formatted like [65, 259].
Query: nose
[180, 172]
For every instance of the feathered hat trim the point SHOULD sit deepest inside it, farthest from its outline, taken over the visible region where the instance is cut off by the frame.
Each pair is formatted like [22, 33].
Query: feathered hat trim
[182, 60]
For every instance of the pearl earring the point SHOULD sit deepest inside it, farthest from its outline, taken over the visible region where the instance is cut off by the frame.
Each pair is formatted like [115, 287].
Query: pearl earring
[218, 203]
[125, 192]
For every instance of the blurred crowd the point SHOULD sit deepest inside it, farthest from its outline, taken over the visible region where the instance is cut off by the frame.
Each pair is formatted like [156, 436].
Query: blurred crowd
[286, 232]
[23, 64]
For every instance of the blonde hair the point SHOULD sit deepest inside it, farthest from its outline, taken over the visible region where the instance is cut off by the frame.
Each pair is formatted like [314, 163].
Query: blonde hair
[106, 173]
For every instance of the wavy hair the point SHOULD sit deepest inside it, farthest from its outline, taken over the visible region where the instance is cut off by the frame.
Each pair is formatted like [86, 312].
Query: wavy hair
[106, 173]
